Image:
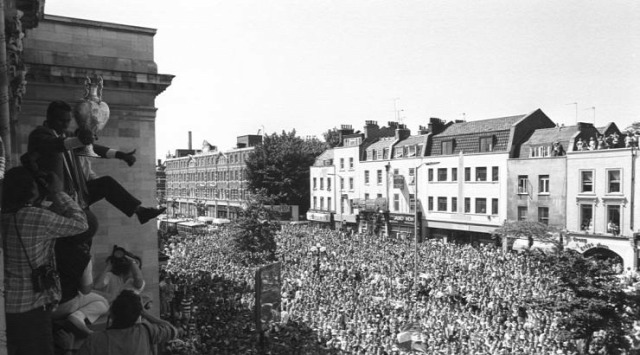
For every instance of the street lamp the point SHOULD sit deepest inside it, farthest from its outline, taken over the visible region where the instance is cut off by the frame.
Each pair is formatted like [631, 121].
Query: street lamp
[317, 250]
[415, 221]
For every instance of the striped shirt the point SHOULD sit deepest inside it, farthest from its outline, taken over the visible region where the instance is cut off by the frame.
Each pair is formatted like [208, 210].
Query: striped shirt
[39, 227]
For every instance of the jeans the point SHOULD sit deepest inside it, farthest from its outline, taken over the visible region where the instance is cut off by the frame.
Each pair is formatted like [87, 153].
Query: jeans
[30, 333]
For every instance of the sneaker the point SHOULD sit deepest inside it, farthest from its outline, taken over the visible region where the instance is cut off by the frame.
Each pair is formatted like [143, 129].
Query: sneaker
[145, 214]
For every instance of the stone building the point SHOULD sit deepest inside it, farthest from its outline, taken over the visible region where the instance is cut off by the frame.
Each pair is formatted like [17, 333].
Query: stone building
[51, 63]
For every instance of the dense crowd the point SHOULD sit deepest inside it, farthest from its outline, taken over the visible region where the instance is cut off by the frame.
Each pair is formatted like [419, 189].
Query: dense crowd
[358, 295]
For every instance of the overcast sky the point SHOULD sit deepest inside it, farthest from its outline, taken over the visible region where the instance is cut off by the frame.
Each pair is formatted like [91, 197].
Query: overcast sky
[242, 65]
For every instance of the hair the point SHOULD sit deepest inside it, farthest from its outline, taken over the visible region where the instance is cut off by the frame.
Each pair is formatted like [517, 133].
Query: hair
[125, 310]
[56, 109]
[17, 189]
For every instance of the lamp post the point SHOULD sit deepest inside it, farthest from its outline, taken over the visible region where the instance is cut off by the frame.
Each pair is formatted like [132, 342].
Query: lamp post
[415, 221]
[317, 250]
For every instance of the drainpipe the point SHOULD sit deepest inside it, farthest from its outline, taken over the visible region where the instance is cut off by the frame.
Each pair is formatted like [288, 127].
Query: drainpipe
[633, 185]
[5, 156]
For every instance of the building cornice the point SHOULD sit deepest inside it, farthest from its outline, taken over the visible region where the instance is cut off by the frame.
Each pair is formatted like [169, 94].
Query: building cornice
[44, 73]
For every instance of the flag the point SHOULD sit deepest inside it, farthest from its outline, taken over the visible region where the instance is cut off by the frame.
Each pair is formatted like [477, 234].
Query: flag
[411, 338]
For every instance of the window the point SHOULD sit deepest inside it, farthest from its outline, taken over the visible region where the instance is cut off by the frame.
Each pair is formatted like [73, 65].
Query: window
[350, 163]
[586, 181]
[398, 152]
[495, 173]
[343, 203]
[522, 213]
[315, 183]
[430, 203]
[481, 174]
[442, 174]
[412, 203]
[454, 174]
[412, 173]
[329, 203]
[366, 197]
[454, 204]
[494, 206]
[613, 184]
[366, 176]
[523, 184]
[412, 151]
[543, 215]
[385, 153]
[350, 183]
[430, 175]
[379, 195]
[543, 184]
[419, 149]
[467, 205]
[586, 217]
[613, 219]
[396, 202]
[321, 183]
[481, 205]
[379, 179]
[328, 184]
[341, 183]
[379, 154]
[447, 147]
[370, 154]
[486, 144]
[396, 172]
[341, 163]
[467, 174]
[315, 202]
[442, 204]
[321, 203]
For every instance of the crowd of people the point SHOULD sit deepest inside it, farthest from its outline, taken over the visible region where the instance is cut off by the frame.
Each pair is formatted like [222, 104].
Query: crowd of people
[361, 294]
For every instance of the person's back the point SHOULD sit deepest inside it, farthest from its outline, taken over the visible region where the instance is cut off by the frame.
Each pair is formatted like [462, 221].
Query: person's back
[140, 339]
[126, 335]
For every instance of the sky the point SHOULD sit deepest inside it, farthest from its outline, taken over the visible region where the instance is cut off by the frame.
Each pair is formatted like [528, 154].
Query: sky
[247, 65]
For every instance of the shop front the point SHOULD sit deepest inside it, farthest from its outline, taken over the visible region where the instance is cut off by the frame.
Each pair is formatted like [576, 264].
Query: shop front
[618, 249]
[402, 226]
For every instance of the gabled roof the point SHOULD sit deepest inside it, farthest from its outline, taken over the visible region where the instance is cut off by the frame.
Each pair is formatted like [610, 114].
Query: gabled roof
[481, 126]
[384, 142]
[551, 135]
[413, 140]
[326, 155]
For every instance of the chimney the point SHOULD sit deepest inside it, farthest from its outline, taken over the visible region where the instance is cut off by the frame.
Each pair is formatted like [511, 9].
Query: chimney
[190, 141]
[393, 124]
[371, 129]
[436, 125]
[402, 132]
[424, 130]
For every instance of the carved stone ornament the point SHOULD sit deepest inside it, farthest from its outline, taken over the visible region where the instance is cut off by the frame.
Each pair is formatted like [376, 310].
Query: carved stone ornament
[92, 113]
[16, 69]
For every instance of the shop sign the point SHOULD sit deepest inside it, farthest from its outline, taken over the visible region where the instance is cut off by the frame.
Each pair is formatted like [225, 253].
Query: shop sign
[402, 218]
[318, 217]
[588, 246]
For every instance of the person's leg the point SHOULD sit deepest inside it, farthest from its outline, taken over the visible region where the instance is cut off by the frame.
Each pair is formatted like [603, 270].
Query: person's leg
[108, 188]
[30, 333]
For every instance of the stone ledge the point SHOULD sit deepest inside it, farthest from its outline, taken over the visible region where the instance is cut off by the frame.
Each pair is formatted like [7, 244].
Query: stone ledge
[115, 79]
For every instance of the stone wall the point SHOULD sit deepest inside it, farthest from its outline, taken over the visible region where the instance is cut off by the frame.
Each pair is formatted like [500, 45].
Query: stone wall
[59, 53]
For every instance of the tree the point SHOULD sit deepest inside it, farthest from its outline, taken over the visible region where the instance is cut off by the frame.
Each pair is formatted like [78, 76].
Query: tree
[280, 167]
[597, 303]
[254, 232]
[332, 137]
[530, 230]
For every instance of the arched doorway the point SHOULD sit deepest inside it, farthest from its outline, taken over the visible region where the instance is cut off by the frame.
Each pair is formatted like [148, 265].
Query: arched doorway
[604, 254]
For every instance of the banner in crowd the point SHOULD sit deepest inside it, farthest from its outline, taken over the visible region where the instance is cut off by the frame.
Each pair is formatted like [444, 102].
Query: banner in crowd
[268, 298]
[411, 338]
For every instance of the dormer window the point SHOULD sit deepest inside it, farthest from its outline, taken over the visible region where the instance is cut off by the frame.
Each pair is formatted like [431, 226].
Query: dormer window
[447, 146]
[486, 144]
[412, 151]
[399, 152]
[379, 153]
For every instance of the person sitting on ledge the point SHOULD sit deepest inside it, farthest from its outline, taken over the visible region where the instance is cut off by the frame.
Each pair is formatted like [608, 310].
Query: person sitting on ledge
[132, 330]
[53, 149]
